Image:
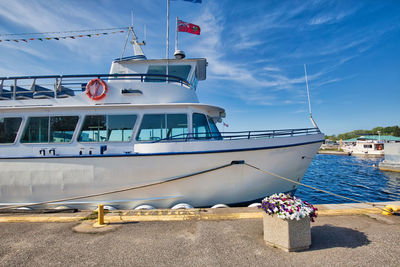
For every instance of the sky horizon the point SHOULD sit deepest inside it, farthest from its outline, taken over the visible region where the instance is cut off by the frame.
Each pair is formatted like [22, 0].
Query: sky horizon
[256, 54]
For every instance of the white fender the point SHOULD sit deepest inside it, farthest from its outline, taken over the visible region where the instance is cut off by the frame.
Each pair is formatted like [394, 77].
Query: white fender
[253, 205]
[182, 206]
[144, 207]
[24, 208]
[220, 206]
[61, 207]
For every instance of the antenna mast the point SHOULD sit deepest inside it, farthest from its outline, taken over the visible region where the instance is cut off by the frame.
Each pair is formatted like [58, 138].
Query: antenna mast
[308, 96]
[137, 50]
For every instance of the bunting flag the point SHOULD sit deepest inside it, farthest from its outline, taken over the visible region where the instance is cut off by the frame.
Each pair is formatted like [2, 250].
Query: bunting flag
[188, 27]
[79, 34]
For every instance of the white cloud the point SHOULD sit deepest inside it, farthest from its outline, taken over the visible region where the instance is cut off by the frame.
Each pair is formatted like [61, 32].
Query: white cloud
[271, 68]
[25, 49]
[55, 16]
[255, 87]
[333, 16]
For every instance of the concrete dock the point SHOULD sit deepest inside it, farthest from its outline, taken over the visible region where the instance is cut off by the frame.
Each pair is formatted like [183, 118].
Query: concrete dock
[333, 152]
[351, 235]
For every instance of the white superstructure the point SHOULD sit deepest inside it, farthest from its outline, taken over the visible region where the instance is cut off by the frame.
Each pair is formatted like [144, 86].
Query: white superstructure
[364, 147]
[147, 130]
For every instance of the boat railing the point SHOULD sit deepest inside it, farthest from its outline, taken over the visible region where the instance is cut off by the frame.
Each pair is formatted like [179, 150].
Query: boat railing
[240, 135]
[60, 86]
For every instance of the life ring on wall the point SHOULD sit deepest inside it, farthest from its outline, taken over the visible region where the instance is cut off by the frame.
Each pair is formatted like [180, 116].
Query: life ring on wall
[93, 89]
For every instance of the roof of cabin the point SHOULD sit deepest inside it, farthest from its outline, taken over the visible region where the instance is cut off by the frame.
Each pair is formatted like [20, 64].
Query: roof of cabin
[374, 137]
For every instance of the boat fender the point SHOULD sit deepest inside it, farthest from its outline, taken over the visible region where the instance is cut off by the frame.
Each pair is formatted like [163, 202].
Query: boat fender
[255, 205]
[106, 208]
[144, 207]
[93, 90]
[182, 206]
[62, 208]
[220, 206]
[24, 208]
[391, 209]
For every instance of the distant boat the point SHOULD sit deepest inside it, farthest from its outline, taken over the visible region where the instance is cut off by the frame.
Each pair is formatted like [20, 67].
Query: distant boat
[373, 145]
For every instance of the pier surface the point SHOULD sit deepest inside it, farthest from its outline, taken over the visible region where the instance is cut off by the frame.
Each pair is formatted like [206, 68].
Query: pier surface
[350, 234]
[333, 152]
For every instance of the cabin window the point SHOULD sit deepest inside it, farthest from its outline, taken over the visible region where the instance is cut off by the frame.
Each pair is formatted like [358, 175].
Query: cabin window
[201, 129]
[181, 71]
[8, 129]
[367, 146]
[214, 129]
[57, 129]
[160, 126]
[62, 128]
[107, 128]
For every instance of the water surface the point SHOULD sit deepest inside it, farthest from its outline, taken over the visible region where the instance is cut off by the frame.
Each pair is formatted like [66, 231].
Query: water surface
[351, 176]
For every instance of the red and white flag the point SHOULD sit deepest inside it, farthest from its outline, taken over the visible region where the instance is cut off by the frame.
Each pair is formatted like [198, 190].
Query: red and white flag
[188, 27]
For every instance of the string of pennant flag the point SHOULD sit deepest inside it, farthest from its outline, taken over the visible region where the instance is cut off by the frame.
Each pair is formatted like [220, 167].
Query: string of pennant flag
[45, 36]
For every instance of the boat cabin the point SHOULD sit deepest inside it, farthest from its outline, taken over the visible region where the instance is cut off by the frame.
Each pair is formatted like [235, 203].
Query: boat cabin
[130, 81]
[85, 131]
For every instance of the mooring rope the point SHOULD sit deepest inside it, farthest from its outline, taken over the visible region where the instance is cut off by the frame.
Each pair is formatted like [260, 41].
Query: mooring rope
[314, 188]
[189, 175]
[124, 189]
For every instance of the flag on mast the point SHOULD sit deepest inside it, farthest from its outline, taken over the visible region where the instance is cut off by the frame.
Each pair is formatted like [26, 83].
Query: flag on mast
[188, 27]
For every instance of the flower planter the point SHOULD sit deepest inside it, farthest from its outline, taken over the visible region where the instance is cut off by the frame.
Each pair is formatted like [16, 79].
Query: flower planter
[289, 235]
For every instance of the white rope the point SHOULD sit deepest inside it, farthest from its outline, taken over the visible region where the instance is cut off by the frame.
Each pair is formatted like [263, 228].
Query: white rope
[314, 188]
[122, 190]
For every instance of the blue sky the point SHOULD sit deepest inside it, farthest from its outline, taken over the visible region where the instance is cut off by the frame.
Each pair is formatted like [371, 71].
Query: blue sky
[255, 49]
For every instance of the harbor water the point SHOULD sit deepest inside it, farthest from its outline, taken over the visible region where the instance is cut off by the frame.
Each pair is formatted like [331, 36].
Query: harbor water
[350, 176]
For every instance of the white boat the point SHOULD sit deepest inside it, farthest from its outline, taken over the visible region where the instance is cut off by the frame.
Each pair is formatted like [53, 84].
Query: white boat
[364, 146]
[136, 136]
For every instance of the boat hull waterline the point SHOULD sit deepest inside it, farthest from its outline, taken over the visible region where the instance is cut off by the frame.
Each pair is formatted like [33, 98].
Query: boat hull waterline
[33, 180]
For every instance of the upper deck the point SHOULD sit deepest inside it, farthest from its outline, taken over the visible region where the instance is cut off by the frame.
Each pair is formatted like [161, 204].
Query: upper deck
[130, 81]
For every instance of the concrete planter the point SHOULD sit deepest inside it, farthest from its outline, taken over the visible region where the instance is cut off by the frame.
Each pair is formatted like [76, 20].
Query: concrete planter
[289, 235]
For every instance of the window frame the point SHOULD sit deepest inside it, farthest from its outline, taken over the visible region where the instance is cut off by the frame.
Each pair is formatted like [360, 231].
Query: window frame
[163, 68]
[26, 123]
[188, 126]
[21, 124]
[219, 136]
[209, 128]
[134, 126]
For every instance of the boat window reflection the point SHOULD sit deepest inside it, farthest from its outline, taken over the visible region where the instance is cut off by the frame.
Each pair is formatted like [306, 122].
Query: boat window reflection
[57, 129]
[201, 129]
[9, 129]
[214, 130]
[160, 126]
[181, 71]
[107, 128]
[62, 128]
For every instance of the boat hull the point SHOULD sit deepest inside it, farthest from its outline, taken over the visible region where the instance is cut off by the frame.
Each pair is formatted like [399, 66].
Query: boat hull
[33, 180]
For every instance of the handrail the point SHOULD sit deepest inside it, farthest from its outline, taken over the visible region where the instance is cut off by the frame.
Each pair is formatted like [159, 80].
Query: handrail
[93, 75]
[63, 80]
[240, 135]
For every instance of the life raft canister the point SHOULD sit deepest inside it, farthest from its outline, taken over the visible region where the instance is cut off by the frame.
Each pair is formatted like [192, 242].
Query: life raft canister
[94, 91]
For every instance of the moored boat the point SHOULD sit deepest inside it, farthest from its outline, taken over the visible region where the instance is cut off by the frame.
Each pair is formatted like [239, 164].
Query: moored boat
[136, 136]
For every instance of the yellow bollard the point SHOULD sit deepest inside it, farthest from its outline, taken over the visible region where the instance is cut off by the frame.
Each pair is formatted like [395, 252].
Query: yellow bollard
[391, 209]
[101, 215]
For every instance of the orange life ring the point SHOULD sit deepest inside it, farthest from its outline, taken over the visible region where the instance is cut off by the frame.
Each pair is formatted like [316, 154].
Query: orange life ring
[93, 89]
